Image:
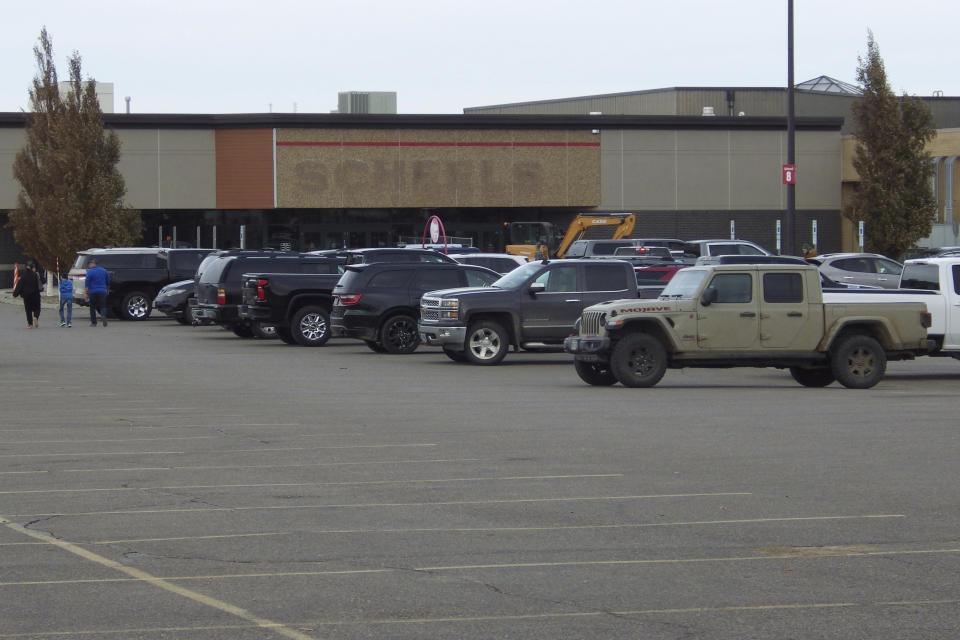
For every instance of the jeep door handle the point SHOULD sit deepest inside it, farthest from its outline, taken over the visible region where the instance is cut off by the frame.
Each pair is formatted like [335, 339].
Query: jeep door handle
[794, 314]
[748, 314]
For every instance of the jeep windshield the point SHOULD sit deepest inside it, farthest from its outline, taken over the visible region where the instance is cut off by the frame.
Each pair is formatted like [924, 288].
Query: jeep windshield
[518, 276]
[684, 285]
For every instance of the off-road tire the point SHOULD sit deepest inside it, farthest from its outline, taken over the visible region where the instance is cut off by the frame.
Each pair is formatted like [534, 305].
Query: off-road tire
[135, 306]
[310, 326]
[858, 361]
[638, 360]
[487, 343]
[399, 334]
[820, 377]
[597, 374]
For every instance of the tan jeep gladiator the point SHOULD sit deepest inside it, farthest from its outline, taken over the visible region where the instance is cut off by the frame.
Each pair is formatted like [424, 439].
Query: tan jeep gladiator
[747, 315]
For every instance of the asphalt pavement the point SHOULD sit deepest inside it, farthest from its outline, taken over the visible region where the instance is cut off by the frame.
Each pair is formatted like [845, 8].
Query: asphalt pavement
[164, 481]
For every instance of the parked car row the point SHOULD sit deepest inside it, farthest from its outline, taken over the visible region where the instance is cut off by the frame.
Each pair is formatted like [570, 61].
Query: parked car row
[378, 296]
[394, 299]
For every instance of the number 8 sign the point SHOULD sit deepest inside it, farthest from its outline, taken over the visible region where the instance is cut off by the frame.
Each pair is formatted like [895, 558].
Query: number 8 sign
[789, 174]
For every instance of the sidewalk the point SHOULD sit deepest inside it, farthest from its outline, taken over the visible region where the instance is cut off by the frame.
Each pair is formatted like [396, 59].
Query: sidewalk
[46, 302]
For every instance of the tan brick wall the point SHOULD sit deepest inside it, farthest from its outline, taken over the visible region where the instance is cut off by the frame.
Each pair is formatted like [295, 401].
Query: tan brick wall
[368, 168]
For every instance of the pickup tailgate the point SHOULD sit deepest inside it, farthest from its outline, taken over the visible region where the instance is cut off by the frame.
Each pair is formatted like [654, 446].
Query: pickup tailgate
[936, 302]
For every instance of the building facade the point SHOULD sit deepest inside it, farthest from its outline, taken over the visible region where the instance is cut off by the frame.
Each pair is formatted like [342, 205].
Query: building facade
[313, 181]
[332, 180]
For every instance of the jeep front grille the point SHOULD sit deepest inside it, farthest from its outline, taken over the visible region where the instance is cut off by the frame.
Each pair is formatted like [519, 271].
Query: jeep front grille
[591, 321]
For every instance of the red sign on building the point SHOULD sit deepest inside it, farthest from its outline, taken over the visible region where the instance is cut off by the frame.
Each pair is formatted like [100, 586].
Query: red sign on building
[789, 174]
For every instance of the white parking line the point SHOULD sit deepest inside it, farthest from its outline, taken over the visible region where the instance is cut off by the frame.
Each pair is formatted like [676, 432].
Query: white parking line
[128, 425]
[376, 505]
[75, 441]
[311, 625]
[316, 484]
[218, 451]
[487, 567]
[269, 466]
[584, 527]
[142, 576]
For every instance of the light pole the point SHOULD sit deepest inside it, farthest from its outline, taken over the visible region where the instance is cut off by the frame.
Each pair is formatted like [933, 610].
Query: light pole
[790, 214]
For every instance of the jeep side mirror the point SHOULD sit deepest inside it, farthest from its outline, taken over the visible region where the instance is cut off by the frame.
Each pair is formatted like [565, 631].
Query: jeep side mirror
[537, 287]
[708, 297]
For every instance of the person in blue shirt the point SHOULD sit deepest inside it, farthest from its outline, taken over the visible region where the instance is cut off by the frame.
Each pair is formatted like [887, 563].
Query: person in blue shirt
[66, 300]
[95, 290]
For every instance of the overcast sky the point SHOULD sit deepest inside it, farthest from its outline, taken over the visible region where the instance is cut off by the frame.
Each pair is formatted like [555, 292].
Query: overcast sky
[241, 56]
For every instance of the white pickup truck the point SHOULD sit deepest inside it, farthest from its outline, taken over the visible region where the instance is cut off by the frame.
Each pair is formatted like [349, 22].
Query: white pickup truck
[934, 281]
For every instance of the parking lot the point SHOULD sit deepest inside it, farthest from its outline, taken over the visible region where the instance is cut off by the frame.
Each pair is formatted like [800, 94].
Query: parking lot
[162, 481]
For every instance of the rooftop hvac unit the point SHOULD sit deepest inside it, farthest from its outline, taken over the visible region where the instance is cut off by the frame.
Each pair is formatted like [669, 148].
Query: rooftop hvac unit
[367, 102]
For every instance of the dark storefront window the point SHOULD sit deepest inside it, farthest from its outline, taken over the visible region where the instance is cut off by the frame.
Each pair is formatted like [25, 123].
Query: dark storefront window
[307, 230]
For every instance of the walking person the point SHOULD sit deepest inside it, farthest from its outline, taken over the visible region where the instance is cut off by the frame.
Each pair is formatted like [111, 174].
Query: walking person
[95, 290]
[66, 300]
[28, 288]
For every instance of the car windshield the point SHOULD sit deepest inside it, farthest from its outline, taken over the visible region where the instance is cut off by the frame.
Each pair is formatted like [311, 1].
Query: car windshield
[684, 284]
[518, 276]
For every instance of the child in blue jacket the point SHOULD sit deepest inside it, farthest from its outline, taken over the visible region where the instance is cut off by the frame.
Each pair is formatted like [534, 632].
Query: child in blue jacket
[66, 300]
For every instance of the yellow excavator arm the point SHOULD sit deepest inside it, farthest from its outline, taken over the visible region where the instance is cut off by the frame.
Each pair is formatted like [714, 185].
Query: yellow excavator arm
[621, 224]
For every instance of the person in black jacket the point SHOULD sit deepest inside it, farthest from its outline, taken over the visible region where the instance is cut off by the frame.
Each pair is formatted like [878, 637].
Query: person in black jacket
[28, 288]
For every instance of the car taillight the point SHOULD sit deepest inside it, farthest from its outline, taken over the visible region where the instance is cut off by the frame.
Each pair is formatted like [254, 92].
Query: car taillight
[347, 299]
[221, 296]
[261, 285]
[926, 319]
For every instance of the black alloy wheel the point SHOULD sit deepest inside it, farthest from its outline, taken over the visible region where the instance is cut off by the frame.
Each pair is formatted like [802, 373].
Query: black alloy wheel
[399, 335]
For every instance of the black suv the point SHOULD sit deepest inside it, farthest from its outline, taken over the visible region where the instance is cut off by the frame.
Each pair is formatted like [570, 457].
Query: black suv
[380, 303]
[219, 284]
[136, 275]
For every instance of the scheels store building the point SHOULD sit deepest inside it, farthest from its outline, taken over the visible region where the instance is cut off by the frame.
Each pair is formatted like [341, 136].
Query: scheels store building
[690, 162]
